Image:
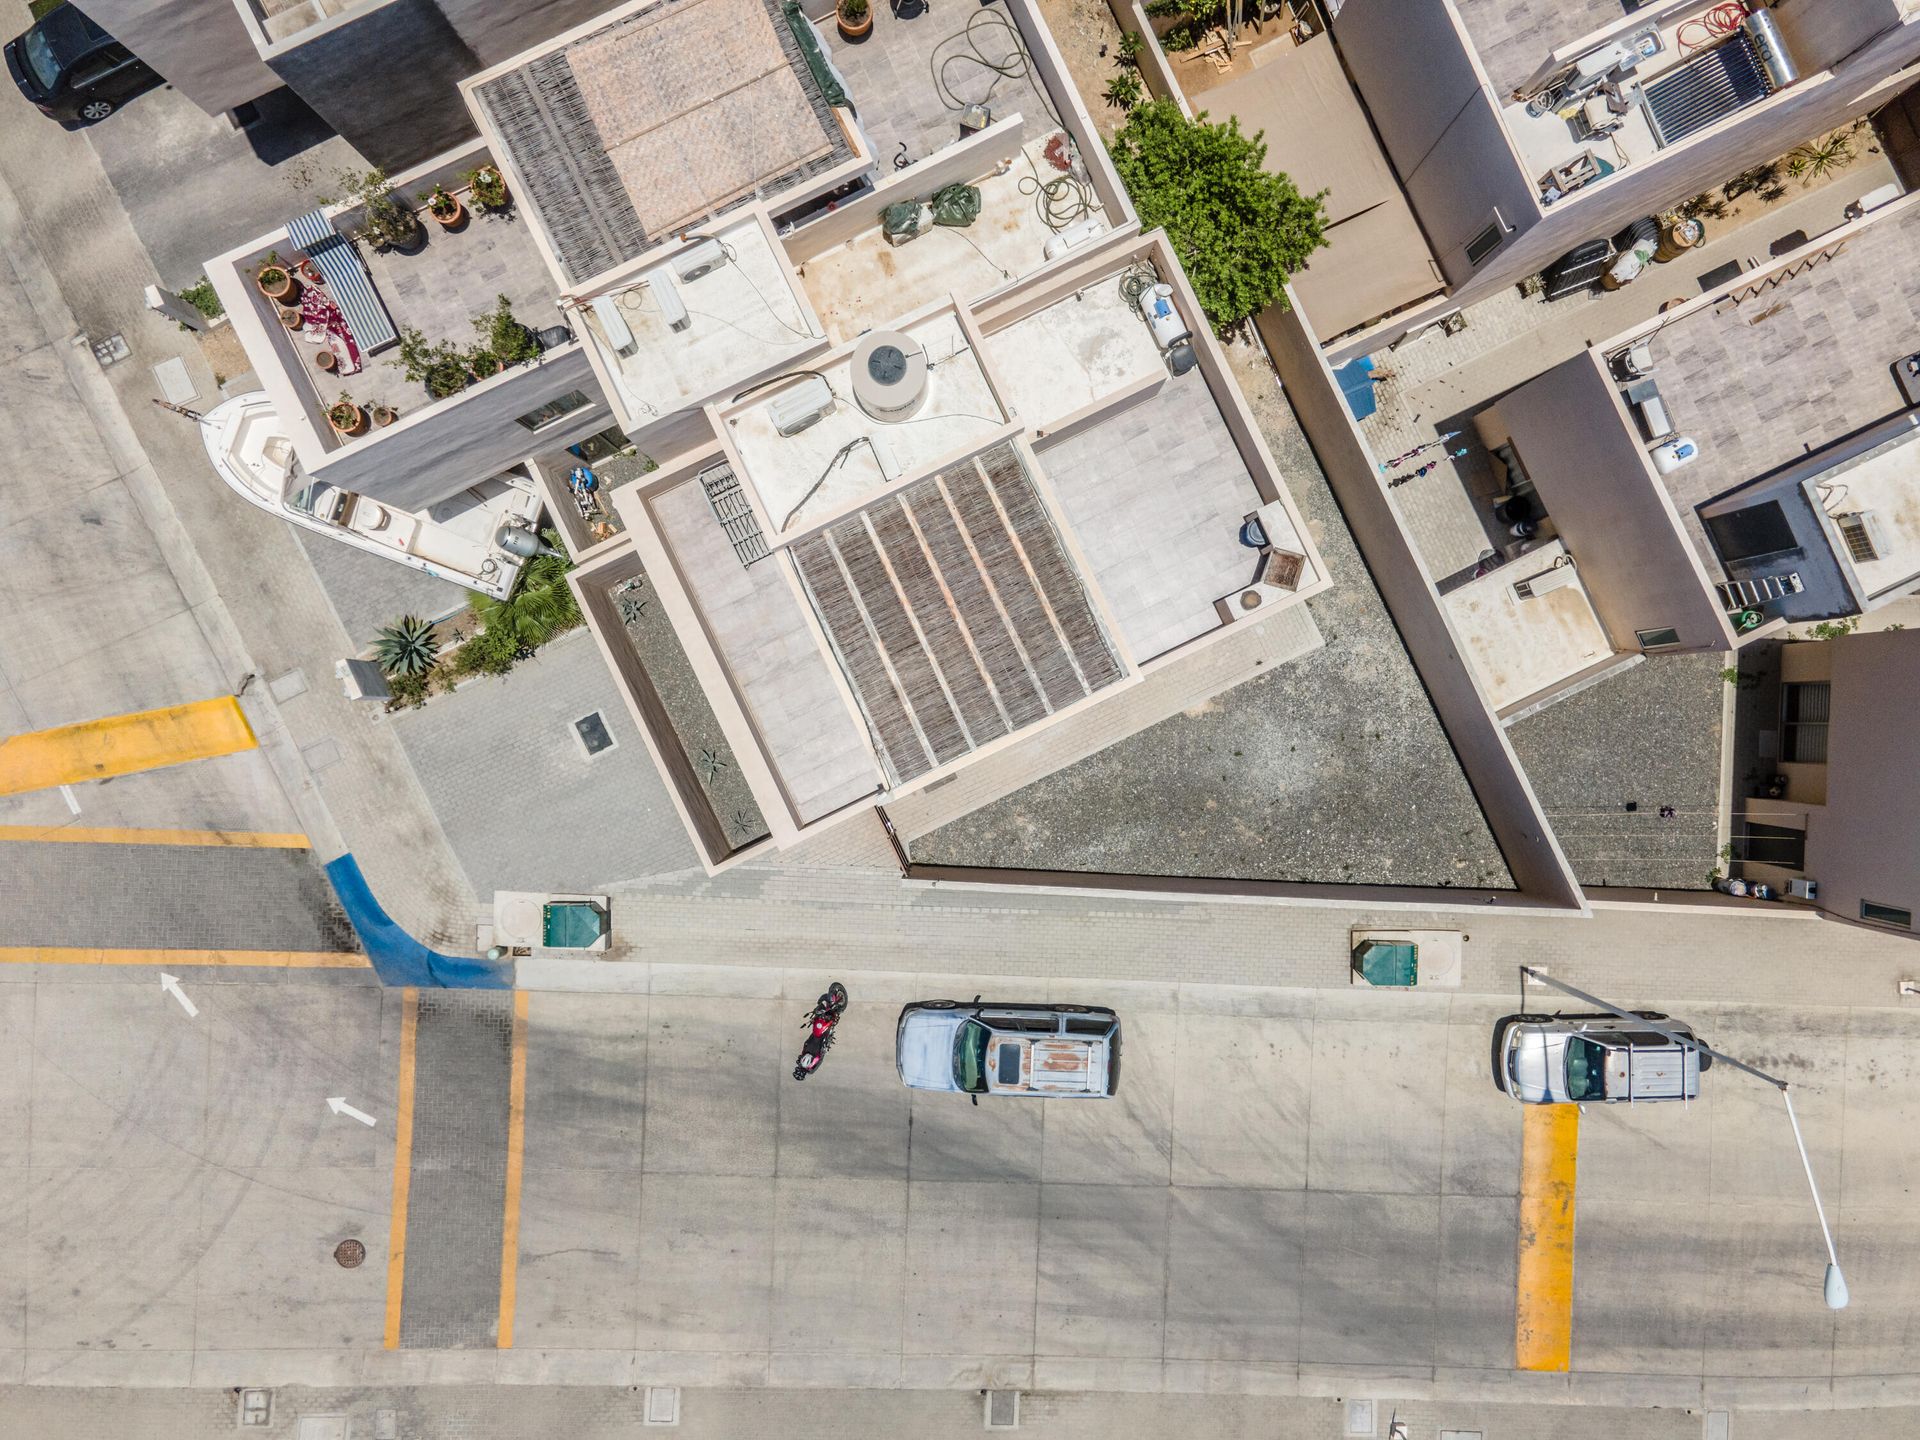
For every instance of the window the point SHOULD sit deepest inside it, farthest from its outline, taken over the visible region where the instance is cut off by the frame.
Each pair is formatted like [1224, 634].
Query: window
[1487, 241]
[1754, 533]
[1803, 722]
[1662, 639]
[970, 1057]
[1886, 914]
[553, 410]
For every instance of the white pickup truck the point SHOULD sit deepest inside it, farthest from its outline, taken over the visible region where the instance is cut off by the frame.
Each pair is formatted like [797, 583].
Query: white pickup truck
[1043, 1051]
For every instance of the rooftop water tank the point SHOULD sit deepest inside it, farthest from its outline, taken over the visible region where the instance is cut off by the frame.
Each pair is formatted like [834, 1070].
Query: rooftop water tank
[889, 375]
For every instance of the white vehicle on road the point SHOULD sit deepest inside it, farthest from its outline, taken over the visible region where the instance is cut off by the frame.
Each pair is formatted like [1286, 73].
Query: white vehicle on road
[1037, 1050]
[1573, 1059]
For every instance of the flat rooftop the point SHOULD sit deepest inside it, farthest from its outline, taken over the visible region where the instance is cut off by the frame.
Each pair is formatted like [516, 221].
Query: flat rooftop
[756, 620]
[743, 318]
[1514, 37]
[665, 117]
[847, 455]
[865, 281]
[911, 77]
[1521, 646]
[1794, 368]
[1884, 483]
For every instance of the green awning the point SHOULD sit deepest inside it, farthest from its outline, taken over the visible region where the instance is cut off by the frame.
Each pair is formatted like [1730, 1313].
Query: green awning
[1387, 962]
[809, 44]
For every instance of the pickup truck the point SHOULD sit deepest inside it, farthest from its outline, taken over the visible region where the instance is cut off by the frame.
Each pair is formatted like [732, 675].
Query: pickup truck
[1576, 1059]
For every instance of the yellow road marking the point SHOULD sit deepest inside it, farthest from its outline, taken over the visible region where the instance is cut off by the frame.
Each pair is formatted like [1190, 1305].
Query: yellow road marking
[1543, 1310]
[110, 835]
[402, 1166]
[265, 959]
[123, 744]
[516, 1149]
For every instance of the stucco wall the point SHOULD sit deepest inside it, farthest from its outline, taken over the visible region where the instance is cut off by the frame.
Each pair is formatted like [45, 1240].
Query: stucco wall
[201, 46]
[1519, 826]
[1576, 442]
[445, 446]
[1861, 845]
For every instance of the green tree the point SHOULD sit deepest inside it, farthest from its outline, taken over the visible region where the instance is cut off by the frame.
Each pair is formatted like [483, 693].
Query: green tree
[1239, 229]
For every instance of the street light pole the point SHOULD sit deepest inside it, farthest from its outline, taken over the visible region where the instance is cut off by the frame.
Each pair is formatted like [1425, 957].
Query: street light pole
[1836, 1282]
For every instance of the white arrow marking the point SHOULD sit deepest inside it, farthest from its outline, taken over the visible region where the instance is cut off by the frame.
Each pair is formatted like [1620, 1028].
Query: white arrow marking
[338, 1104]
[171, 984]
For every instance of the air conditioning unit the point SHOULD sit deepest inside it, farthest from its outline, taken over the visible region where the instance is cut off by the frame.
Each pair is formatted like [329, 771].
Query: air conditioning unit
[1864, 538]
[1803, 889]
[1534, 586]
[673, 309]
[808, 403]
[1596, 64]
[699, 259]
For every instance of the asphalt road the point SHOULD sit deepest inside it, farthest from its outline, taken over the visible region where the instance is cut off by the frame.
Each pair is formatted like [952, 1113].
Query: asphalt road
[1295, 1192]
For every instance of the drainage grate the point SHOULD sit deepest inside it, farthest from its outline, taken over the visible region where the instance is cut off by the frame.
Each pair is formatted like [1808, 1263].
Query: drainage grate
[1003, 1409]
[350, 1254]
[1361, 1419]
[592, 732]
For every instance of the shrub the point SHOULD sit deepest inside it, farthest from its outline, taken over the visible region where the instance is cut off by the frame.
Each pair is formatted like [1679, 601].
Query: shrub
[407, 647]
[385, 219]
[1124, 91]
[488, 188]
[1240, 230]
[854, 10]
[541, 606]
[202, 297]
[1130, 47]
[441, 368]
[409, 692]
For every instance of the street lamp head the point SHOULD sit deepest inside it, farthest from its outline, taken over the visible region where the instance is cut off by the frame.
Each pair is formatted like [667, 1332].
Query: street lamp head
[1836, 1288]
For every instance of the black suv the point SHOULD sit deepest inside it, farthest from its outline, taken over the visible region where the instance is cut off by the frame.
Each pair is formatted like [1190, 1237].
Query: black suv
[73, 70]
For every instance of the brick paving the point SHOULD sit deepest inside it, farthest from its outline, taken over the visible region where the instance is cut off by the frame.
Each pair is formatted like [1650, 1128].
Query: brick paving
[458, 1183]
[168, 897]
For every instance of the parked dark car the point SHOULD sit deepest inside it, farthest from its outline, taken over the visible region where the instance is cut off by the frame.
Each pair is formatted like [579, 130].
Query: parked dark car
[73, 70]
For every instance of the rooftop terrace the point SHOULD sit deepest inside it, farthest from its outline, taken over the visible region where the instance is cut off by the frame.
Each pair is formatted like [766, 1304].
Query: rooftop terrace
[675, 112]
[1514, 37]
[1795, 365]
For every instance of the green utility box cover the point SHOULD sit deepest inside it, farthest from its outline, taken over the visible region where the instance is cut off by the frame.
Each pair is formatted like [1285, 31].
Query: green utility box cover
[572, 925]
[1387, 962]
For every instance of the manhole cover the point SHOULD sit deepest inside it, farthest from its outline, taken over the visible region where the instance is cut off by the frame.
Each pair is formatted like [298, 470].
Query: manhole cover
[887, 364]
[349, 1253]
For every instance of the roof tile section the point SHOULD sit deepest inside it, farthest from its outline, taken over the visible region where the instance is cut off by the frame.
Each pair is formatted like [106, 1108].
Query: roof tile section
[654, 123]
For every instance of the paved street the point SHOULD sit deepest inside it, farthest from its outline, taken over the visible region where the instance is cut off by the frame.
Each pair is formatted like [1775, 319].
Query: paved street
[1296, 1193]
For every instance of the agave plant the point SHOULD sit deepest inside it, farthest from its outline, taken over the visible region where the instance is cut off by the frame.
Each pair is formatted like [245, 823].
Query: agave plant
[406, 647]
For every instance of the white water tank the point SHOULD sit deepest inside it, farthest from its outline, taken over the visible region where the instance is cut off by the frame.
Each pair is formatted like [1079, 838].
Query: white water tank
[889, 374]
[1681, 450]
[1163, 319]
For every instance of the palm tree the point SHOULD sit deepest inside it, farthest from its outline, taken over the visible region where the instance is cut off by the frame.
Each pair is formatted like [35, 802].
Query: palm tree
[540, 607]
[406, 647]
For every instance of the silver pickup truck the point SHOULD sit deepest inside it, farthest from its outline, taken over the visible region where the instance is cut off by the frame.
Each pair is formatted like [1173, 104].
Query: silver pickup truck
[1574, 1059]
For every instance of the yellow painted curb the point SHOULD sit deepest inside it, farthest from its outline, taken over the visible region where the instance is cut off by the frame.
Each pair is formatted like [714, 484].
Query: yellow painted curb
[115, 835]
[402, 1167]
[516, 1152]
[263, 959]
[123, 745]
[1543, 1309]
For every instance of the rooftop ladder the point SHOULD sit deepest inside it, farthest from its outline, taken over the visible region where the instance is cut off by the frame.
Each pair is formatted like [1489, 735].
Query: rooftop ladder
[732, 509]
[1752, 594]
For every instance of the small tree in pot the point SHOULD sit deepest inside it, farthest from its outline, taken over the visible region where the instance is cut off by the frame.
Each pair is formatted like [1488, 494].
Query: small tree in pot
[276, 281]
[504, 336]
[445, 207]
[387, 221]
[346, 417]
[854, 17]
[439, 367]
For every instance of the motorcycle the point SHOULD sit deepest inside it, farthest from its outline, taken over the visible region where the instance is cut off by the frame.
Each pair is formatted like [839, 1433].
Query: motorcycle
[820, 1025]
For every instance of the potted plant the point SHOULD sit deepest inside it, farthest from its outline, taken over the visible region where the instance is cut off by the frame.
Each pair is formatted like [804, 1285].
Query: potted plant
[855, 19]
[504, 336]
[488, 187]
[387, 222]
[384, 415]
[445, 207]
[346, 417]
[290, 316]
[326, 360]
[276, 281]
[441, 368]
[482, 362]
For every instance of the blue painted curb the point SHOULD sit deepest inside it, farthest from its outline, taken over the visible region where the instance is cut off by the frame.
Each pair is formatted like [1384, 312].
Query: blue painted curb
[398, 958]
